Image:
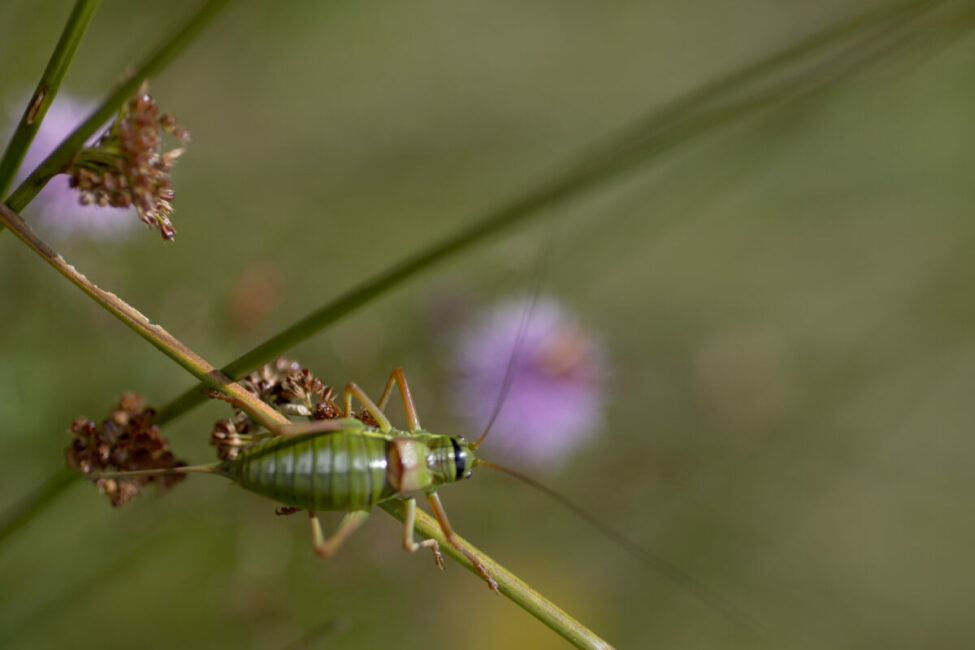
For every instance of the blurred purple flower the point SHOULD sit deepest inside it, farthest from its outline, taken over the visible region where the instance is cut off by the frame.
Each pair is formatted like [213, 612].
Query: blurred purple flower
[554, 403]
[57, 208]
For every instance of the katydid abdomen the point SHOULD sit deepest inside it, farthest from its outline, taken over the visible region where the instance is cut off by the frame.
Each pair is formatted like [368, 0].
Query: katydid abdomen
[342, 470]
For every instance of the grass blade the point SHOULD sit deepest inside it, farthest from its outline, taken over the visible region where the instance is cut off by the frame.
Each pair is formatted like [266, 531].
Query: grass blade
[46, 91]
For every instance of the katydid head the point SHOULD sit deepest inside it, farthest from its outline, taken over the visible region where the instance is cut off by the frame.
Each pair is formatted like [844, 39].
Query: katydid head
[464, 458]
[450, 459]
[423, 464]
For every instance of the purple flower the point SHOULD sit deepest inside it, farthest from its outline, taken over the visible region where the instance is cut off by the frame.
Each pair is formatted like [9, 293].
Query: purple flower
[57, 208]
[554, 403]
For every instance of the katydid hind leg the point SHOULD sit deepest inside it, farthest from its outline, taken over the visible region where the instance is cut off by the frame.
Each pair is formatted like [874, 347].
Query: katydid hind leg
[326, 547]
[398, 378]
[352, 390]
[313, 426]
[271, 425]
[276, 428]
[448, 532]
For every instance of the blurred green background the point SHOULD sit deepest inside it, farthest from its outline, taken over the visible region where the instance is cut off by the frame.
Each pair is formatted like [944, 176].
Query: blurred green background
[787, 307]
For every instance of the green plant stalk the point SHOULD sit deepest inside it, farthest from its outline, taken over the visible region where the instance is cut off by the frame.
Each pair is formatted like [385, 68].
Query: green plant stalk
[61, 157]
[691, 116]
[738, 80]
[209, 376]
[46, 91]
[30, 505]
[26, 508]
[73, 589]
[509, 585]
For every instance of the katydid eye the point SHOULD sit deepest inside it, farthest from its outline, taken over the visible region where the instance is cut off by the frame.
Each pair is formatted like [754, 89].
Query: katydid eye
[460, 460]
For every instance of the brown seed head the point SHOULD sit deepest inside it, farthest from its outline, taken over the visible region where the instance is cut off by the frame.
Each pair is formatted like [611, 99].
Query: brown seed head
[127, 165]
[126, 440]
[289, 388]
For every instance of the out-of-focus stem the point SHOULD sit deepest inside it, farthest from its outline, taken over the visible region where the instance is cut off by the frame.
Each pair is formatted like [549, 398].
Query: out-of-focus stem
[47, 89]
[31, 504]
[155, 334]
[509, 584]
[696, 114]
[60, 158]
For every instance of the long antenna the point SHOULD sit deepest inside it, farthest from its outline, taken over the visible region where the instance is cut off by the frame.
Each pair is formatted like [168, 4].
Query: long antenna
[526, 317]
[670, 571]
[213, 468]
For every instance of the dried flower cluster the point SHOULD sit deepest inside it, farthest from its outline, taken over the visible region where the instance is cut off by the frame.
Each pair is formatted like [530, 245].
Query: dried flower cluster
[56, 210]
[286, 386]
[127, 440]
[127, 166]
[293, 390]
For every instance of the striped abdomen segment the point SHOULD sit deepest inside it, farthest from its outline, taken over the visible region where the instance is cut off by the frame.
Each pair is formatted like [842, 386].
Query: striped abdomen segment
[330, 471]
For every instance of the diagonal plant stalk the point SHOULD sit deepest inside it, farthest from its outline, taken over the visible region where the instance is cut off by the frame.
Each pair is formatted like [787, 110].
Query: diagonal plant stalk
[691, 116]
[47, 89]
[61, 157]
[27, 508]
[209, 375]
[508, 583]
[30, 505]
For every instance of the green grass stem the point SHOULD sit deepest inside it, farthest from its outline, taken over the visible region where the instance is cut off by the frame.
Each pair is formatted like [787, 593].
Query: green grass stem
[692, 116]
[61, 157]
[46, 91]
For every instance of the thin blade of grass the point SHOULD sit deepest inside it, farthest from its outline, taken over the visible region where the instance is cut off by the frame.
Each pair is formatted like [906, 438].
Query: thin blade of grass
[21, 513]
[694, 115]
[46, 91]
[56, 162]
